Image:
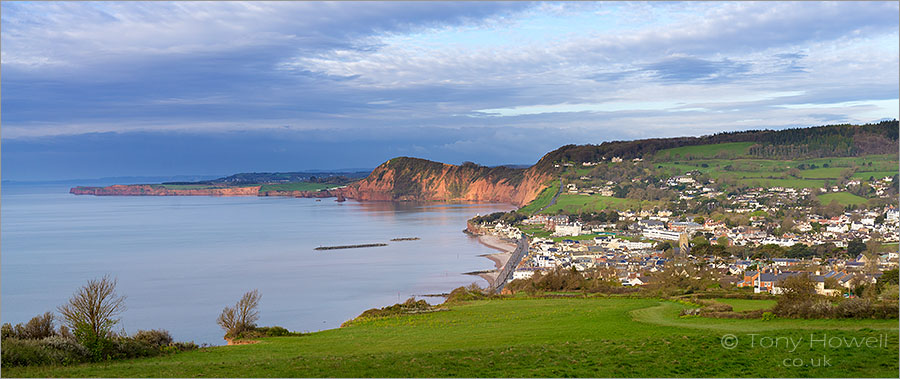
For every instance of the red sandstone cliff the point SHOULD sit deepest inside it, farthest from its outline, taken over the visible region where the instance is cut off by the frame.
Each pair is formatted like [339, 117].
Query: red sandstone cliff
[412, 179]
[399, 179]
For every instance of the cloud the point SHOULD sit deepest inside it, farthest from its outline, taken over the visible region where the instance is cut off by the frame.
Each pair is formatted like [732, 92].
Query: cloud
[385, 72]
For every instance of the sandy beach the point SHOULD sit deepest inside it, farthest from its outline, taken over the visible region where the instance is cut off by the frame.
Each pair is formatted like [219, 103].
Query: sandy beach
[499, 259]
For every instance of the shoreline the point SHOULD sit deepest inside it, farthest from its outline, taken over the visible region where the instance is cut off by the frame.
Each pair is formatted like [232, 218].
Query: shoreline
[506, 249]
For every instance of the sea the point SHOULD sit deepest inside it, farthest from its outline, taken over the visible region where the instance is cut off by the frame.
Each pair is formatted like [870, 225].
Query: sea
[179, 260]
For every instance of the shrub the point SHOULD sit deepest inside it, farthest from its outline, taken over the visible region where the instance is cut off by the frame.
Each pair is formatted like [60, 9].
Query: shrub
[155, 337]
[123, 347]
[38, 327]
[7, 331]
[768, 316]
[47, 351]
[99, 346]
[180, 346]
[854, 308]
[472, 292]
[275, 331]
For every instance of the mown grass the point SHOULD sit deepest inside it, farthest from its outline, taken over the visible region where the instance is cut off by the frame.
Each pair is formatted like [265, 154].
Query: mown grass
[707, 151]
[876, 175]
[535, 231]
[302, 186]
[843, 198]
[788, 183]
[593, 337]
[740, 305]
[751, 168]
[593, 203]
[542, 199]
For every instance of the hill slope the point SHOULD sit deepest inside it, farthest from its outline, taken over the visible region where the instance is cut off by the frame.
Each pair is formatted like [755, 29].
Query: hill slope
[414, 179]
[583, 337]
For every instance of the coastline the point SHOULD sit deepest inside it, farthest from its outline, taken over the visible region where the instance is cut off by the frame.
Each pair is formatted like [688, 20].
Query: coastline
[499, 259]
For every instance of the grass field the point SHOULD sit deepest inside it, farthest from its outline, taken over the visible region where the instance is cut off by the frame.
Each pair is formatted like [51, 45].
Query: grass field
[843, 198]
[740, 305]
[592, 337]
[542, 199]
[296, 186]
[877, 175]
[775, 172]
[707, 151]
[187, 186]
[535, 231]
[790, 183]
[592, 203]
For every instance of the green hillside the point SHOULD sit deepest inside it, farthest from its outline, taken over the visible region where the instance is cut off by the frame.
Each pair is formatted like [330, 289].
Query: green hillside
[732, 149]
[588, 337]
[843, 198]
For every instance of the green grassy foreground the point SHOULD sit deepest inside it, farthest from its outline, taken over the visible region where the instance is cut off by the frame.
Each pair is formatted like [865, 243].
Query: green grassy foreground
[593, 337]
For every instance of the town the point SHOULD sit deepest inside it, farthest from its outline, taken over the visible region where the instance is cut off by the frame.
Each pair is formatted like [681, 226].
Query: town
[842, 252]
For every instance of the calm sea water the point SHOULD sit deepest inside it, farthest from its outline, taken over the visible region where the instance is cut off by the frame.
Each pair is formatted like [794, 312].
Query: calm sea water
[180, 260]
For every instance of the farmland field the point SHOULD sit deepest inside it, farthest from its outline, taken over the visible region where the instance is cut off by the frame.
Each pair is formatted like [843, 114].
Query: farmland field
[527, 337]
[592, 203]
[843, 198]
[707, 151]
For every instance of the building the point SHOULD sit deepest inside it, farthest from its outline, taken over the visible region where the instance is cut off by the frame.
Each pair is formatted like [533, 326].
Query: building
[661, 234]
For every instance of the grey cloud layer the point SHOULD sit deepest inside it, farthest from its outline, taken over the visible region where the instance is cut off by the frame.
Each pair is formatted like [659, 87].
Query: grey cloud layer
[382, 69]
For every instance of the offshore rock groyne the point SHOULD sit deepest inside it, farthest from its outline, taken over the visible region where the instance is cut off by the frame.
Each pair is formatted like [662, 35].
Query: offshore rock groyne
[350, 246]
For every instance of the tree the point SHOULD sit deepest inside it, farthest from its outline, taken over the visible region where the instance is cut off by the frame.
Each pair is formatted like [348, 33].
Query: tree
[242, 316]
[93, 309]
[796, 293]
[722, 241]
[787, 224]
[855, 247]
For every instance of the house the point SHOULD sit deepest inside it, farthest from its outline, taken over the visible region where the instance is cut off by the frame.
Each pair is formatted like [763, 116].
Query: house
[770, 282]
[573, 229]
[785, 262]
[661, 234]
[525, 272]
[687, 227]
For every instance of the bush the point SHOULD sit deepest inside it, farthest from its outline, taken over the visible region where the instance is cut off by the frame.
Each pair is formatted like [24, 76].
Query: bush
[38, 327]
[124, 348]
[854, 308]
[99, 346]
[472, 292]
[768, 316]
[7, 331]
[155, 337]
[47, 351]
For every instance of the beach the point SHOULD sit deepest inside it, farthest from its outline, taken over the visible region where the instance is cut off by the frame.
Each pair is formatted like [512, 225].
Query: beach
[499, 259]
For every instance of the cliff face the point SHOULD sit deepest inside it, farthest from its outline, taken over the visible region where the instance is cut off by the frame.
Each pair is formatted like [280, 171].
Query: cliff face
[412, 179]
[399, 179]
[151, 190]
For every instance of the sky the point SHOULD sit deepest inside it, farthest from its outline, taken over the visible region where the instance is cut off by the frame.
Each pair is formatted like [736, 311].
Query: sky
[99, 89]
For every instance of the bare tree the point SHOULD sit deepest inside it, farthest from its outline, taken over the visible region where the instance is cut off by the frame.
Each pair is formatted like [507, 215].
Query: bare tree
[95, 306]
[242, 316]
